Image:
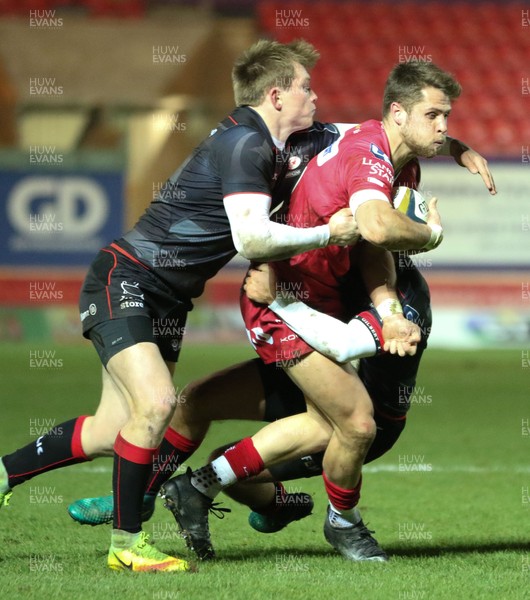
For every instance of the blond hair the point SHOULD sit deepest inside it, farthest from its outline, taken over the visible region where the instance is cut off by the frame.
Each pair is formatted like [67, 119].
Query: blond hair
[267, 64]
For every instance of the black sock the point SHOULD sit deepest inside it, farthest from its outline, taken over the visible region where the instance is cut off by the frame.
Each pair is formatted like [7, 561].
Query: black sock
[59, 447]
[172, 453]
[132, 466]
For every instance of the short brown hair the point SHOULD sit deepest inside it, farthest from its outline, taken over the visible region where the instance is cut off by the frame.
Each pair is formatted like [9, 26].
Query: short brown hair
[267, 64]
[407, 80]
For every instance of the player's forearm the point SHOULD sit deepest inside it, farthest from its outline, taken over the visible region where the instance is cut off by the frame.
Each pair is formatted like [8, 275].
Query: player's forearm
[453, 147]
[268, 241]
[258, 238]
[338, 341]
[378, 273]
[386, 227]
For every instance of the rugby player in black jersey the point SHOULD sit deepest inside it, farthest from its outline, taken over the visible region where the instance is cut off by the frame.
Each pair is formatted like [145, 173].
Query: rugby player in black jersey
[141, 285]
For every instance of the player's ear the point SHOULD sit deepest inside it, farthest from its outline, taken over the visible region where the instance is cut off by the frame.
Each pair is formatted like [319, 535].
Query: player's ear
[398, 113]
[276, 97]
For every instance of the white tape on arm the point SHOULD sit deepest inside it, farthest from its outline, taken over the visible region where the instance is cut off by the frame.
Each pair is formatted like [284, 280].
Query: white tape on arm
[437, 234]
[338, 341]
[389, 308]
[256, 237]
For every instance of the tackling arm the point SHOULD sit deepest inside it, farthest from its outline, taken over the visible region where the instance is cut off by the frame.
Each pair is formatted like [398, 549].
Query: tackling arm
[256, 237]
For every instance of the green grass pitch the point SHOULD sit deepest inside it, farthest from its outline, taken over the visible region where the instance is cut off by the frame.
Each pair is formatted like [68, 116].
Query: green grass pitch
[450, 503]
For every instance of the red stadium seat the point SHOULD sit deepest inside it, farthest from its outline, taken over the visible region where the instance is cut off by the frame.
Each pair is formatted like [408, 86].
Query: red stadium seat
[359, 42]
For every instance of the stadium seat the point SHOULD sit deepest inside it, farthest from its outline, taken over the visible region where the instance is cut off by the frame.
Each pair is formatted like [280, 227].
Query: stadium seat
[360, 41]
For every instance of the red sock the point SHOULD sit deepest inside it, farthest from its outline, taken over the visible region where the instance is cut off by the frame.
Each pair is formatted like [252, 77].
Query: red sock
[132, 465]
[340, 498]
[244, 459]
[172, 452]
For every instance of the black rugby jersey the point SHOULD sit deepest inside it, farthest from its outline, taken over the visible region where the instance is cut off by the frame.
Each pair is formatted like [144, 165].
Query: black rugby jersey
[184, 235]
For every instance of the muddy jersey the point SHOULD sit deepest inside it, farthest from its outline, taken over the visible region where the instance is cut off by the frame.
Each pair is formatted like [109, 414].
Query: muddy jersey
[184, 235]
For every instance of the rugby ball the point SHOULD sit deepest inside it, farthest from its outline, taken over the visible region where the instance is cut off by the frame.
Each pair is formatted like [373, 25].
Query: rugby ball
[411, 203]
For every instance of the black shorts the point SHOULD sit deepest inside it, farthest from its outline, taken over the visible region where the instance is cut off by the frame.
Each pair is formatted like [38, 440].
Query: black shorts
[110, 337]
[123, 303]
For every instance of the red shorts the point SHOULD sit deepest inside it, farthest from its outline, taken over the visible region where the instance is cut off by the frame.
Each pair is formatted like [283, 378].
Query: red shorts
[272, 339]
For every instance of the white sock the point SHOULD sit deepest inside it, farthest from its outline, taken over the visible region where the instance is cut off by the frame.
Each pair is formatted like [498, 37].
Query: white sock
[343, 518]
[214, 477]
[124, 539]
[4, 478]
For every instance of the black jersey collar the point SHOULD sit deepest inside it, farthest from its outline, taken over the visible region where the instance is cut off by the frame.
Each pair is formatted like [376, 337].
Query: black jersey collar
[244, 115]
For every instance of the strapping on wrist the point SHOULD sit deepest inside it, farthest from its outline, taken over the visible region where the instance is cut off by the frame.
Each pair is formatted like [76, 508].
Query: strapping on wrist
[389, 308]
[437, 234]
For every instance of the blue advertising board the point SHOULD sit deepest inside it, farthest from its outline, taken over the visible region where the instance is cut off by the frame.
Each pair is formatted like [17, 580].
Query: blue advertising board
[58, 218]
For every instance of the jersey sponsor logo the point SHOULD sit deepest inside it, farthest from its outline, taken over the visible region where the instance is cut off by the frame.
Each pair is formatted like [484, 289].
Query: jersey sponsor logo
[289, 338]
[379, 169]
[376, 151]
[372, 330]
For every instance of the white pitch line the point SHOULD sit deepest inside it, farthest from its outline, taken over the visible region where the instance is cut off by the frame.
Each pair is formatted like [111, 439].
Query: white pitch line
[95, 469]
[389, 468]
[393, 468]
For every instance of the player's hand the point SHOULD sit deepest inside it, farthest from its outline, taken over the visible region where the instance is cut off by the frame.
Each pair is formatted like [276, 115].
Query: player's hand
[401, 335]
[475, 163]
[433, 216]
[343, 228]
[260, 284]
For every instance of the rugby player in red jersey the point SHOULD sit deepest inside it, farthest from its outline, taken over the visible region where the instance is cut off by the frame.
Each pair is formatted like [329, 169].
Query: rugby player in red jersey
[357, 170]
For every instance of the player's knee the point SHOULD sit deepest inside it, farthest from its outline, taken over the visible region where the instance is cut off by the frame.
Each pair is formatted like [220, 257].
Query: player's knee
[156, 413]
[359, 431]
